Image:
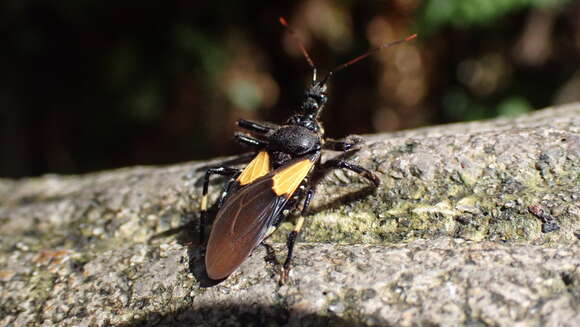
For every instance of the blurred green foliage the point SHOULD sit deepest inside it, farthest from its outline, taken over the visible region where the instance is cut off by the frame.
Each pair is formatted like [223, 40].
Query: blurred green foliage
[437, 14]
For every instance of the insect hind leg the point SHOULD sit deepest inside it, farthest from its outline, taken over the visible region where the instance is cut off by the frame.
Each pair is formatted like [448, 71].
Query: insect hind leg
[291, 241]
[222, 171]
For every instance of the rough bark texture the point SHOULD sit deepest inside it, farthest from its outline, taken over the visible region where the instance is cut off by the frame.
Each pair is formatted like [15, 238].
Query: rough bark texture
[474, 224]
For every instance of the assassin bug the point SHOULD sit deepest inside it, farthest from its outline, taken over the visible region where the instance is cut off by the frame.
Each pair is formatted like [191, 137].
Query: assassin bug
[256, 199]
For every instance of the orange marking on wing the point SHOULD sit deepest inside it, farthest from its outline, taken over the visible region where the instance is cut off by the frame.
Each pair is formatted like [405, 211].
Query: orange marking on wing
[258, 167]
[288, 179]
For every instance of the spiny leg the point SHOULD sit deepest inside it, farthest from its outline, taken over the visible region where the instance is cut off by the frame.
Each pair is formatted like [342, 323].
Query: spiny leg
[337, 163]
[222, 171]
[290, 242]
[255, 127]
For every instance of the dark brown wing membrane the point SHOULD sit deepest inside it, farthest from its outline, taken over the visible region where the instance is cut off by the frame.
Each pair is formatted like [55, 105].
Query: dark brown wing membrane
[240, 225]
[245, 217]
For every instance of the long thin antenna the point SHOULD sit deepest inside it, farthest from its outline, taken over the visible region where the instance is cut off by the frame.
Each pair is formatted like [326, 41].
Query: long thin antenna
[364, 55]
[284, 23]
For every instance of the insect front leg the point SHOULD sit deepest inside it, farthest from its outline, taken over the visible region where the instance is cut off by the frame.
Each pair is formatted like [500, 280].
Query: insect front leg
[248, 140]
[337, 163]
[222, 171]
[256, 127]
[290, 242]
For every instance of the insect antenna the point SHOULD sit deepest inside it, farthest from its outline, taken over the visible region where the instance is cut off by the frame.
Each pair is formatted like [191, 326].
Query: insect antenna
[364, 55]
[291, 31]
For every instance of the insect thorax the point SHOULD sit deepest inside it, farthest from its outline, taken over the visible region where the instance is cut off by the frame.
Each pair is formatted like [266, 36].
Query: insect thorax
[292, 141]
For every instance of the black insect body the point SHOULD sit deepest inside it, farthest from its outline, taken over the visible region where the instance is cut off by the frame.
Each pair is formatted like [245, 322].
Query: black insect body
[256, 199]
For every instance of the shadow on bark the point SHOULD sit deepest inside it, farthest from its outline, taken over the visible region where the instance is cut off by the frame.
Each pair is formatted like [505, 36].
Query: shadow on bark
[224, 315]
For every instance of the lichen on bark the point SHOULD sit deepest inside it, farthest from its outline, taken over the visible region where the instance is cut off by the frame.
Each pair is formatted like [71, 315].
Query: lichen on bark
[455, 234]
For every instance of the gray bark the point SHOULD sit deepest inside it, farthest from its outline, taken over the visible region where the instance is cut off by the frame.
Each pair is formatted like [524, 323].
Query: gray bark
[474, 224]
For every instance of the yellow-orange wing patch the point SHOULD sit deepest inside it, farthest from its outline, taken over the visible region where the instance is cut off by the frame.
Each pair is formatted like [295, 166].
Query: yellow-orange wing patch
[287, 179]
[258, 167]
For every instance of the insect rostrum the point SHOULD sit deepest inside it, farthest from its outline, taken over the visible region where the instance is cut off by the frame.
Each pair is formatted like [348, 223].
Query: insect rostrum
[275, 181]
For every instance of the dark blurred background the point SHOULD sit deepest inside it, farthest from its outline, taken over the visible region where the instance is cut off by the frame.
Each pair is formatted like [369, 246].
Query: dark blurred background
[88, 85]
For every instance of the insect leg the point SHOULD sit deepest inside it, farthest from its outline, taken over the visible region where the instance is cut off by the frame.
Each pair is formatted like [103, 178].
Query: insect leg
[247, 140]
[350, 143]
[254, 127]
[223, 171]
[294, 234]
[337, 163]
